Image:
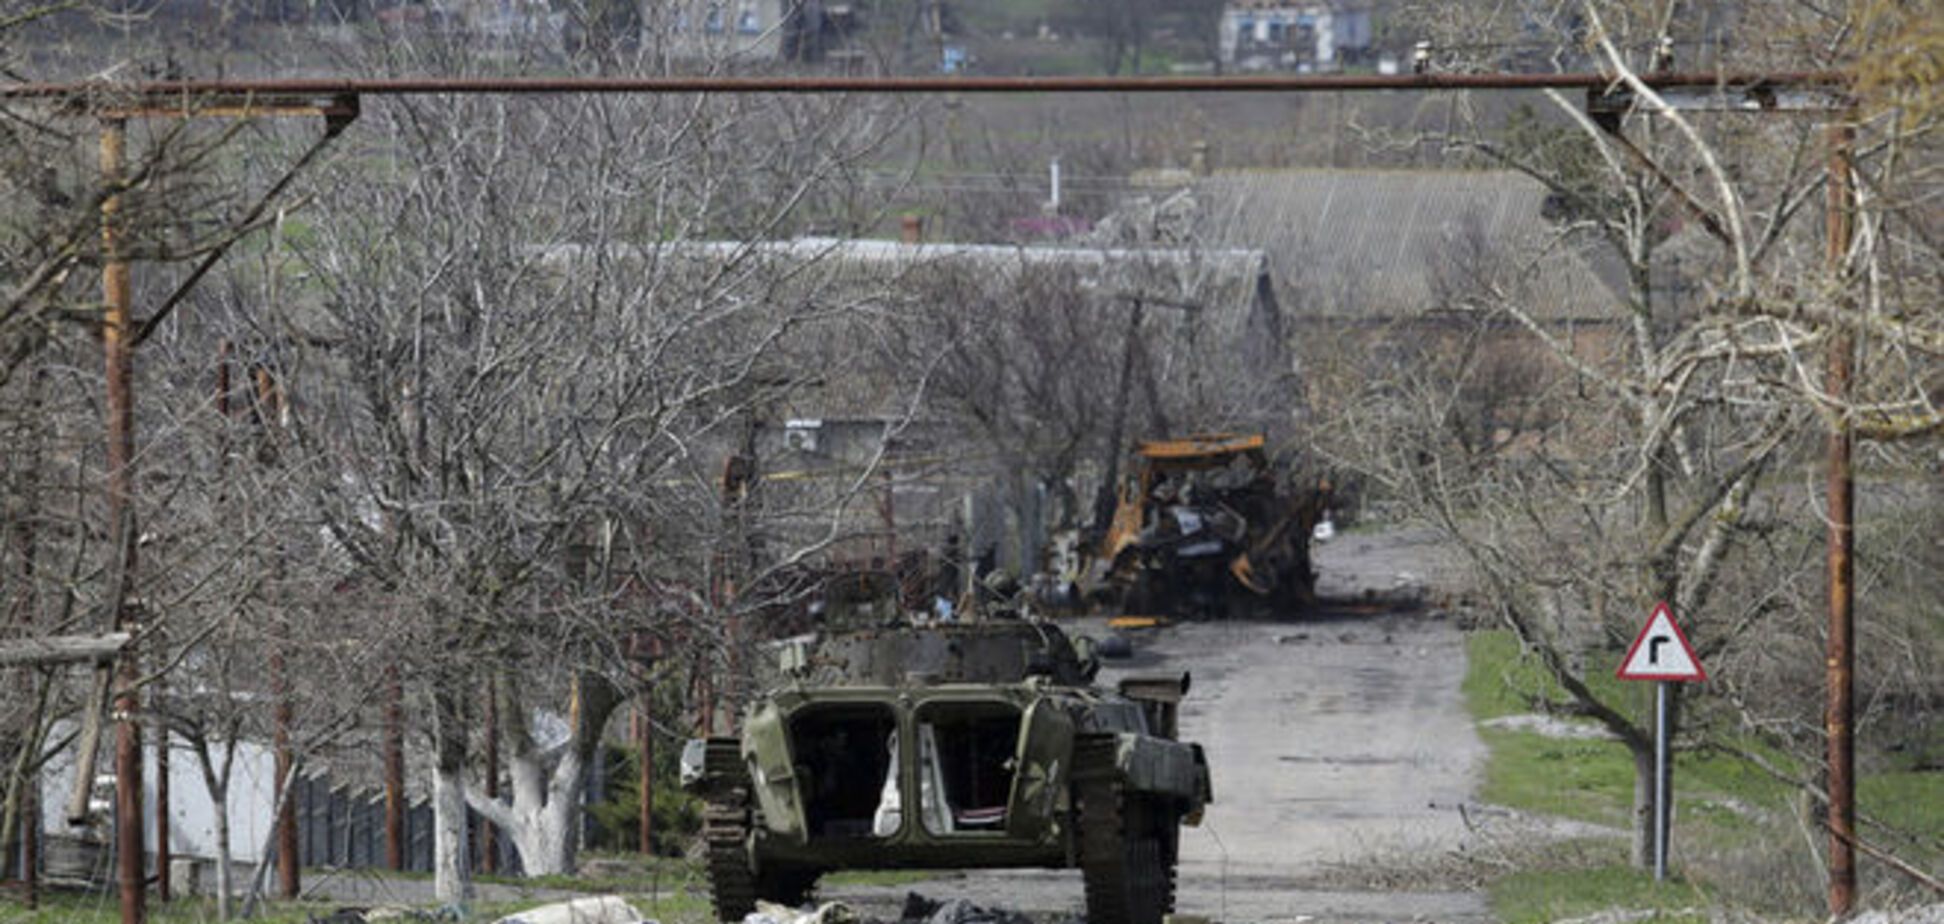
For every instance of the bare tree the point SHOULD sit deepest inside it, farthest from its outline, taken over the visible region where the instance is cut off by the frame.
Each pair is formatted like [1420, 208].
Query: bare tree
[1650, 471]
[518, 368]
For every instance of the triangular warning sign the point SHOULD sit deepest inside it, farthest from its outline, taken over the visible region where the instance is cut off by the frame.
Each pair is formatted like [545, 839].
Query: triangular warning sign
[1661, 652]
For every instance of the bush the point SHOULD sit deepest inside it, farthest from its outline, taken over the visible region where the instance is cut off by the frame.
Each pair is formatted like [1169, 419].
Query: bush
[677, 815]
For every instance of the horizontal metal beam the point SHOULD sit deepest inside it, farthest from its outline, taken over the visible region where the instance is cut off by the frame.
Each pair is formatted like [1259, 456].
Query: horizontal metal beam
[1765, 97]
[61, 649]
[336, 108]
[291, 90]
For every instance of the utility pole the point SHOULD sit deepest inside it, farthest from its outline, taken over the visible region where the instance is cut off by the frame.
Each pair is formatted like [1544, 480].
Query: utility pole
[159, 708]
[395, 770]
[270, 409]
[286, 823]
[644, 730]
[643, 652]
[1840, 714]
[27, 544]
[488, 834]
[119, 336]
[116, 330]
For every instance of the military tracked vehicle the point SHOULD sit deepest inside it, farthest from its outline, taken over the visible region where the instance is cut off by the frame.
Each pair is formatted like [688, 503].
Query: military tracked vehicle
[977, 745]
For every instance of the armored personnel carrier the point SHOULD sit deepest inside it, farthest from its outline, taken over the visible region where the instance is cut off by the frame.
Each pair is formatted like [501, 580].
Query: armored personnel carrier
[977, 745]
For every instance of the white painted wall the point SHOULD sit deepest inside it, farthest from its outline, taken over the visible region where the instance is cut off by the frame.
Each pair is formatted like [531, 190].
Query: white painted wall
[192, 817]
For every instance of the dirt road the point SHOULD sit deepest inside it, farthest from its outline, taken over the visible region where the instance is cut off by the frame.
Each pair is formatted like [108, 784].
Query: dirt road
[1340, 748]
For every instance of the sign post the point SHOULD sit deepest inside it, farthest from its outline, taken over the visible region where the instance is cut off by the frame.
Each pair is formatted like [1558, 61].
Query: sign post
[1661, 653]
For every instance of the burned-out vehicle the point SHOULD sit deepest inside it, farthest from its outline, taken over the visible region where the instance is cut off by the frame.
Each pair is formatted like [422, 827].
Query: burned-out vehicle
[1203, 526]
[979, 745]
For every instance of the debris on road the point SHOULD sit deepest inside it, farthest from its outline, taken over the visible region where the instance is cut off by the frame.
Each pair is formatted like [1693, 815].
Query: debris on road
[599, 909]
[826, 913]
[356, 915]
[917, 907]
[962, 911]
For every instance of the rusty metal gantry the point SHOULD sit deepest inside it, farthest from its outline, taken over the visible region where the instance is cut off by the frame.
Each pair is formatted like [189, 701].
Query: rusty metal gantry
[338, 100]
[120, 334]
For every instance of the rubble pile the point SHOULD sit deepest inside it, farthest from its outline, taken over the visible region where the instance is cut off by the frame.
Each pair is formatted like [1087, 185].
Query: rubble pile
[917, 910]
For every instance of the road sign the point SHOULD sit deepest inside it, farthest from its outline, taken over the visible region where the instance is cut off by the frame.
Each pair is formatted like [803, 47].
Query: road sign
[1661, 652]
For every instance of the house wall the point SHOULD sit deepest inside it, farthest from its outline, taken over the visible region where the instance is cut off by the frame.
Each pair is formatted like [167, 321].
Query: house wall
[192, 814]
[1278, 35]
[693, 29]
[337, 825]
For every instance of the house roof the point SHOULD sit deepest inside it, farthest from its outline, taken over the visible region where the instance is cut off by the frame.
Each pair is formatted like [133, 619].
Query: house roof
[848, 285]
[884, 271]
[1387, 244]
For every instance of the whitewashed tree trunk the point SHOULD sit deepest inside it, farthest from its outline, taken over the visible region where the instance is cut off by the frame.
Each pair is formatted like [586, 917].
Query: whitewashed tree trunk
[224, 887]
[451, 876]
[216, 780]
[544, 814]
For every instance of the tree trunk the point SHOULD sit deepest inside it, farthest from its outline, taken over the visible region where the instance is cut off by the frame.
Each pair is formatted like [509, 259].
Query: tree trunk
[224, 887]
[542, 818]
[546, 837]
[216, 780]
[451, 879]
[1643, 807]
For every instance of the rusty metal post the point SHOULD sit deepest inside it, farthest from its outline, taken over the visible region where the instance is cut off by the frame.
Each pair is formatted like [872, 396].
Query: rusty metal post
[644, 651]
[156, 704]
[394, 770]
[737, 476]
[30, 815]
[26, 547]
[223, 350]
[645, 773]
[1842, 537]
[286, 824]
[888, 512]
[488, 834]
[702, 692]
[115, 332]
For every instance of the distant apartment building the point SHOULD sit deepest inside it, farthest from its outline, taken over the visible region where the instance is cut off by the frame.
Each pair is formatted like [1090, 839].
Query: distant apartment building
[749, 30]
[717, 29]
[1259, 35]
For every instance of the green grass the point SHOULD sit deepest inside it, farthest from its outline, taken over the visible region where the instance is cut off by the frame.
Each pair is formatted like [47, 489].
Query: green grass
[875, 877]
[1592, 780]
[674, 907]
[1727, 809]
[604, 871]
[1553, 894]
[1585, 780]
[1499, 681]
[1909, 800]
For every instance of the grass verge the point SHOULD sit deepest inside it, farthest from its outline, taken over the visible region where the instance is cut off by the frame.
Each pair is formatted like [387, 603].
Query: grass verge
[1737, 837]
[1543, 895]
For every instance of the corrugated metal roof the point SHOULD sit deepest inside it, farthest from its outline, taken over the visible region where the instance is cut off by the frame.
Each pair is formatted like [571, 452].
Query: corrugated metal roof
[1376, 244]
[1221, 279]
[837, 292]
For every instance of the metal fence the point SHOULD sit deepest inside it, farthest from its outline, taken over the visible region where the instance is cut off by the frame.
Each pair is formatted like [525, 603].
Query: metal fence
[342, 828]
